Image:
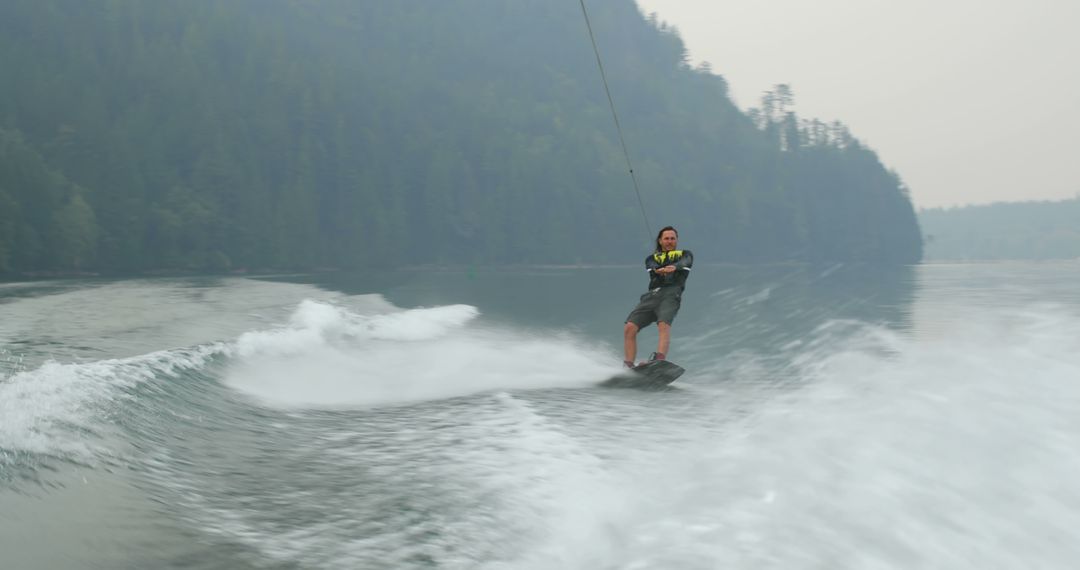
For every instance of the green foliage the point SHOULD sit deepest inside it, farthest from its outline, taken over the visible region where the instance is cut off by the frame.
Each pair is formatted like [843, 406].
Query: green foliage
[286, 134]
[73, 234]
[833, 193]
[1005, 230]
[45, 223]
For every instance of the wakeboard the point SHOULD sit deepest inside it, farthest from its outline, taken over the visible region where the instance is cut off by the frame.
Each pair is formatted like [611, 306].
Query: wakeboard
[652, 374]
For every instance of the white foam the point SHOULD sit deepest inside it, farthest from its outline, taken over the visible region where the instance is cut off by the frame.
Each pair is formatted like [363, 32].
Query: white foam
[328, 356]
[897, 451]
[44, 410]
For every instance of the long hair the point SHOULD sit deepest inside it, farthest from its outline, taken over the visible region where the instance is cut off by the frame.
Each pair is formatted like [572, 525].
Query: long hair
[661, 233]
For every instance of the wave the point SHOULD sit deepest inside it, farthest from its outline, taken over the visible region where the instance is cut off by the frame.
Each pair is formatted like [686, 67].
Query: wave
[328, 356]
[57, 408]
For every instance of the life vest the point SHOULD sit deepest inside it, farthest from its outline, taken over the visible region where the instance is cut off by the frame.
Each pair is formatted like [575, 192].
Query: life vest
[663, 257]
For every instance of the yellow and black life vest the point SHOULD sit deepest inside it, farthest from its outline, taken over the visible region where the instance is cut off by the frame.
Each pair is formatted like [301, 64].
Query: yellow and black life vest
[663, 257]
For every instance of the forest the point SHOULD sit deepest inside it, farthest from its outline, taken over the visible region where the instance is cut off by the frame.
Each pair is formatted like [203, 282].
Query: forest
[256, 135]
[1038, 230]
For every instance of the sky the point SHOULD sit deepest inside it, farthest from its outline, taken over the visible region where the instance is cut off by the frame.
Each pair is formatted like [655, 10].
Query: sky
[970, 101]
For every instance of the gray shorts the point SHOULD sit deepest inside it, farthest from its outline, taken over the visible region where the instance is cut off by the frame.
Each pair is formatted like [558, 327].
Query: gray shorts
[658, 305]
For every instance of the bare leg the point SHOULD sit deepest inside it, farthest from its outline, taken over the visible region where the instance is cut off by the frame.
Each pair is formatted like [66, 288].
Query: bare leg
[665, 338]
[630, 331]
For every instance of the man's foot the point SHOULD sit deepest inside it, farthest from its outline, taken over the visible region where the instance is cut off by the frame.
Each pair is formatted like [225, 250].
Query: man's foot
[628, 363]
[657, 356]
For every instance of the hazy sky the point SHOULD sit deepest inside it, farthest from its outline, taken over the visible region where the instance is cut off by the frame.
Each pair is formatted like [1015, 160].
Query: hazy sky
[971, 101]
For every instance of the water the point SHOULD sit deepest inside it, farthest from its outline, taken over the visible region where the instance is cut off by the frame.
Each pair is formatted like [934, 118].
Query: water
[830, 418]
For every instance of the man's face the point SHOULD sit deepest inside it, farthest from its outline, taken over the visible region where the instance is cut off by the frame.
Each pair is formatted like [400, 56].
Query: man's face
[668, 240]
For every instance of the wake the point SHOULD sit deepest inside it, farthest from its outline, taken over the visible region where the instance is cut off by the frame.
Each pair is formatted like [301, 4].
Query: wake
[330, 357]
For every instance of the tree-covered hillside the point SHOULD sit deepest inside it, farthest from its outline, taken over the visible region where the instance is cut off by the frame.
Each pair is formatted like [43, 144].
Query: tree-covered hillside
[140, 135]
[1005, 230]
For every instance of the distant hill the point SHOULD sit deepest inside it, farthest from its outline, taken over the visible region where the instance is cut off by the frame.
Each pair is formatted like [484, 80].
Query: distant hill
[1008, 230]
[141, 135]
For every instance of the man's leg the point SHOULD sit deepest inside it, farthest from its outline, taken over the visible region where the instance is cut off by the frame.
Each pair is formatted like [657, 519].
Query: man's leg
[665, 338]
[630, 331]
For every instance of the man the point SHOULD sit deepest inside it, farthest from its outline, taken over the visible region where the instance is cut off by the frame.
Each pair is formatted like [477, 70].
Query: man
[668, 269]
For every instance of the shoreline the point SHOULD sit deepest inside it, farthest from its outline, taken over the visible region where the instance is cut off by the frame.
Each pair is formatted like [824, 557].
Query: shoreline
[32, 276]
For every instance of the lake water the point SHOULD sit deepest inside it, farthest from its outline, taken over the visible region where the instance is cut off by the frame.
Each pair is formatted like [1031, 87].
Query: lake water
[830, 417]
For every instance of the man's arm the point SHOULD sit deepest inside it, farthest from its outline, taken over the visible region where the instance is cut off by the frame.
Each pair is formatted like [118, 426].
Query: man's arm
[651, 265]
[685, 262]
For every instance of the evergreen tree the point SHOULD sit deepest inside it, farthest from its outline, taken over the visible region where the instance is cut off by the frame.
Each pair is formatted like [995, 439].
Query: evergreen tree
[279, 134]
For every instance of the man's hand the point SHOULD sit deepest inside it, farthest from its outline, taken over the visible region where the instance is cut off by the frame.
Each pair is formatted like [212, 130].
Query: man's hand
[666, 269]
